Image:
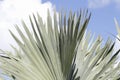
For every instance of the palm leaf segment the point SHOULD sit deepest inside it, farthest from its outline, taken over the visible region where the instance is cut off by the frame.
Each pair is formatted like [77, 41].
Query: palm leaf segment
[59, 50]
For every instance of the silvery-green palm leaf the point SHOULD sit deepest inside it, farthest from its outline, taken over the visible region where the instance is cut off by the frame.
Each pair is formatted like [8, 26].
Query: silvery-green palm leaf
[48, 52]
[96, 61]
[59, 50]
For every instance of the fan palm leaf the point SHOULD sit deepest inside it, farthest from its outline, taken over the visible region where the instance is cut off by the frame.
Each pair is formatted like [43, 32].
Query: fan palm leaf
[59, 49]
[50, 53]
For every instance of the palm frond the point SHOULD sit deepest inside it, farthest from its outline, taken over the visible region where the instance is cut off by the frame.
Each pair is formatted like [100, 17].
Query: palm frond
[50, 53]
[95, 61]
[59, 49]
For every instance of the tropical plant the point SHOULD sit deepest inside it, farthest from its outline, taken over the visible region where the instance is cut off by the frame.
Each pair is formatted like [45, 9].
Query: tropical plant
[60, 49]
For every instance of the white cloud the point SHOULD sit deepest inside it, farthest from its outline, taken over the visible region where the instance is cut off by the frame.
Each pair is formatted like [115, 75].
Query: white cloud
[98, 3]
[117, 3]
[12, 11]
[102, 3]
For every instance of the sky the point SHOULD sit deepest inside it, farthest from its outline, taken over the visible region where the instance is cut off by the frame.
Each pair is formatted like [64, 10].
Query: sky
[101, 22]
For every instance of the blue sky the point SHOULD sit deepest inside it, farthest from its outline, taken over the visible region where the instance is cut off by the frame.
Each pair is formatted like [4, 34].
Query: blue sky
[103, 13]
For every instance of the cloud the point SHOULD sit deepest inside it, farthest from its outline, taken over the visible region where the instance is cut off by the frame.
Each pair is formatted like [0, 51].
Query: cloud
[117, 3]
[98, 3]
[12, 11]
[103, 3]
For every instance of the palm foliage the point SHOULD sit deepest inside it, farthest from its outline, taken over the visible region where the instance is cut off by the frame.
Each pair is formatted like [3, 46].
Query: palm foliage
[59, 49]
[95, 61]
